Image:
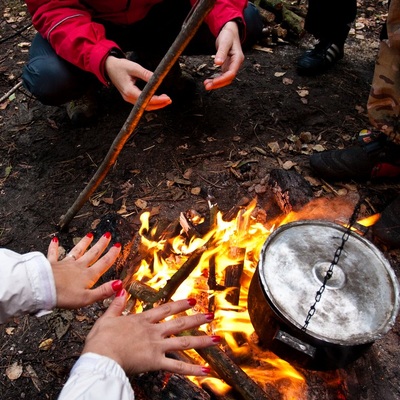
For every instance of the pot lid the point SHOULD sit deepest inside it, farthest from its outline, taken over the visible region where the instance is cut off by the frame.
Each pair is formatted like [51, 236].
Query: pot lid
[361, 300]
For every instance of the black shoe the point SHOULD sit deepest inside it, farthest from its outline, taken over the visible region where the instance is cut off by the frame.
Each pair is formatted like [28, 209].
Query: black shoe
[83, 111]
[322, 57]
[374, 157]
[387, 229]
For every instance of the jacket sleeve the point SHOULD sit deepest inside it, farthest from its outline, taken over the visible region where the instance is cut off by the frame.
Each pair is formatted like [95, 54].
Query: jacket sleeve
[26, 284]
[67, 25]
[223, 12]
[96, 377]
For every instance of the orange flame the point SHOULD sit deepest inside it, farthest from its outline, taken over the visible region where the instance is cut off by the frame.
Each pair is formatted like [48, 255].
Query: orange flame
[235, 242]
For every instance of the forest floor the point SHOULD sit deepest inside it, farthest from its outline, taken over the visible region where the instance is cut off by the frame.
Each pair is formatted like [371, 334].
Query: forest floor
[270, 117]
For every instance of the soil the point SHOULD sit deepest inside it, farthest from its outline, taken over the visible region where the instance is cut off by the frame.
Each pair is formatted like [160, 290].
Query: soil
[269, 118]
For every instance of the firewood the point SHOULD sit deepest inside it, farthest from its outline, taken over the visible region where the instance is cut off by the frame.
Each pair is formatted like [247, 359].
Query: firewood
[294, 21]
[291, 190]
[161, 385]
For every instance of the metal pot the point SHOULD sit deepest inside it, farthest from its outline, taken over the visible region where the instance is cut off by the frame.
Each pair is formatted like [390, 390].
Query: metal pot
[358, 306]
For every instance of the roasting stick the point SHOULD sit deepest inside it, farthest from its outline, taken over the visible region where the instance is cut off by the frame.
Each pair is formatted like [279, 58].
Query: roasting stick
[199, 11]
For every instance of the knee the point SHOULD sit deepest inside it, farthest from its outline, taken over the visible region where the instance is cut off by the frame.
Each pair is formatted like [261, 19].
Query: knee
[254, 25]
[50, 81]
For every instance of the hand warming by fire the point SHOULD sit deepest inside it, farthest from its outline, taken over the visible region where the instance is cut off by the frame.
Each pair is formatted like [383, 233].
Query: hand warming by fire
[151, 337]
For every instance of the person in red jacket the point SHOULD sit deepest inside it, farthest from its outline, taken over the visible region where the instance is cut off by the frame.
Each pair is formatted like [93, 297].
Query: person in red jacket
[81, 43]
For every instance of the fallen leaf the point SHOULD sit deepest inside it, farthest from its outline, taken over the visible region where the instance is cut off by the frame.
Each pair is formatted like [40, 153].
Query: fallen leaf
[274, 146]
[195, 191]
[46, 344]
[33, 375]
[141, 203]
[10, 330]
[279, 74]
[319, 148]
[264, 49]
[302, 92]
[287, 81]
[108, 200]
[288, 165]
[188, 173]
[14, 371]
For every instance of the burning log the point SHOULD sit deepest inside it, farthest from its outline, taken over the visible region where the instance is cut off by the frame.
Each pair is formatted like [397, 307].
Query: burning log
[292, 192]
[161, 385]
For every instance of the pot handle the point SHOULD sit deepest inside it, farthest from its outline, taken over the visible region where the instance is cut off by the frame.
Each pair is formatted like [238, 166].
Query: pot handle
[295, 343]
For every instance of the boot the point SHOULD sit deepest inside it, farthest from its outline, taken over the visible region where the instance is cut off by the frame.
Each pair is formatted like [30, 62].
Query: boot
[373, 157]
[387, 229]
[82, 111]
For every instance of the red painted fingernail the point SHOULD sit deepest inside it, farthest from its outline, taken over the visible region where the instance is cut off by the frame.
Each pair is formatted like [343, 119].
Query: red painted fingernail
[107, 235]
[192, 302]
[209, 316]
[206, 370]
[117, 244]
[121, 293]
[216, 339]
[55, 239]
[116, 286]
[89, 235]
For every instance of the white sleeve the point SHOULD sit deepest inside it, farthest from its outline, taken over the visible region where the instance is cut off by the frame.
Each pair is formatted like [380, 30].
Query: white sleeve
[96, 377]
[26, 284]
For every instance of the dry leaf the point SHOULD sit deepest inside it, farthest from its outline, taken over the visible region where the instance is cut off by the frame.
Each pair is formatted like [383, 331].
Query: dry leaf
[195, 191]
[279, 74]
[108, 200]
[46, 344]
[287, 81]
[14, 371]
[319, 148]
[188, 173]
[302, 92]
[264, 49]
[35, 379]
[288, 165]
[141, 203]
[10, 330]
[274, 146]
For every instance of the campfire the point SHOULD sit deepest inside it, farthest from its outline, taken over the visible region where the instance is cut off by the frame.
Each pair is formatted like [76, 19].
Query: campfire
[213, 259]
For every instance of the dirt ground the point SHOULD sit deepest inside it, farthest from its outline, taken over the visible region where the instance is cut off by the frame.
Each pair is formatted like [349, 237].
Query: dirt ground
[268, 118]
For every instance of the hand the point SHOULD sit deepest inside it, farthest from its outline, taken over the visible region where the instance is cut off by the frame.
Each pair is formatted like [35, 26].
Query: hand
[138, 342]
[77, 273]
[229, 56]
[124, 74]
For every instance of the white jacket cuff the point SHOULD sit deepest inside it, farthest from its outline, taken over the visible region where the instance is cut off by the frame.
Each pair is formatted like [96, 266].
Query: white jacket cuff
[26, 285]
[96, 377]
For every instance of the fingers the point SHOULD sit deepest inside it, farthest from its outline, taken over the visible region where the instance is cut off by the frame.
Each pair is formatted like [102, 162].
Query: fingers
[220, 81]
[52, 252]
[157, 314]
[179, 367]
[104, 291]
[117, 306]
[92, 255]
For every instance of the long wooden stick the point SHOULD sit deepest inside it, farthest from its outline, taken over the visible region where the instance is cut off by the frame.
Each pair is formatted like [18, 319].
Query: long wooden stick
[189, 29]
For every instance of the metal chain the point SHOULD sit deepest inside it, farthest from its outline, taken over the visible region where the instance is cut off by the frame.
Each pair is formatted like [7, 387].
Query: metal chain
[334, 262]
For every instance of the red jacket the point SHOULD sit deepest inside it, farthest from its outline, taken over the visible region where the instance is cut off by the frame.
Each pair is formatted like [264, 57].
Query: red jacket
[68, 25]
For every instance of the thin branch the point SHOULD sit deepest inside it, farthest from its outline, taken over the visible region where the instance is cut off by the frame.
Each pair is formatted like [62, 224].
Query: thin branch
[187, 32]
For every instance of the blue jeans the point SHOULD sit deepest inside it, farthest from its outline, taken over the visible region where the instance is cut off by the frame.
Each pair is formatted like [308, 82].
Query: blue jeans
[54, 81]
